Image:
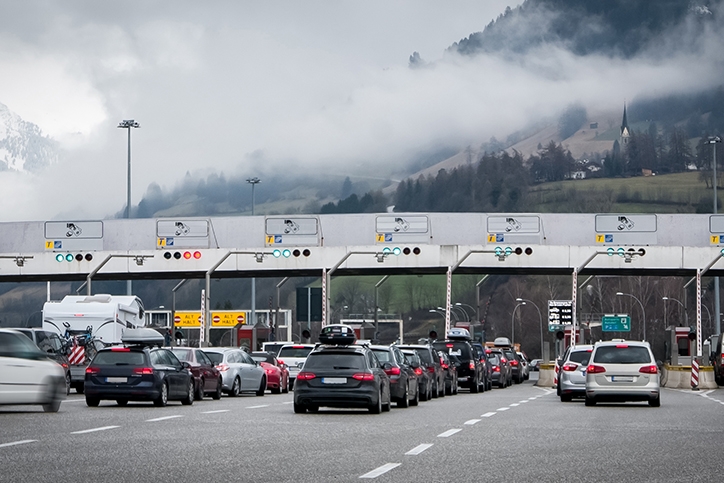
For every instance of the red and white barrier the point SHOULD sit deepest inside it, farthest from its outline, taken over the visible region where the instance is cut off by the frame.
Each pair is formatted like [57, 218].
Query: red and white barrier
[694, 374]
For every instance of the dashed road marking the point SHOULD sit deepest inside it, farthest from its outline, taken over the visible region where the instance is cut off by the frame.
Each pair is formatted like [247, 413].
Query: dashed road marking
[381, 470]
[163, 418]
[514, 405]
[418, 449]
[216, 411]
[502, 409]
[104, 428]
[15, 443]
[487, 415]
[257, 407]
[449, 433]
[472, 421]
[523, 401]
[288, 402]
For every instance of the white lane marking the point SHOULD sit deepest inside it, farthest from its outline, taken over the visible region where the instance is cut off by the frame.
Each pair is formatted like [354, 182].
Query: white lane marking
[257, 407]
[288, 402]
[94, 430]
[472, 421]
[448, 433]
[487, 415]
[523, 401]
[502, 409]
[418, 449]
[707, 393]
[514, 405]
[214, 412]
[381, 470]
[532, 398]
[15, 443]
[164, 418]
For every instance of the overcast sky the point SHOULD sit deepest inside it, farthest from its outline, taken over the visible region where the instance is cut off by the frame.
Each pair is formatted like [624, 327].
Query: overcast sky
[232, 85]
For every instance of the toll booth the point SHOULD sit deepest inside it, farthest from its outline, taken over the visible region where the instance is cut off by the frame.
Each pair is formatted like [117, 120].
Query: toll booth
[680, 345]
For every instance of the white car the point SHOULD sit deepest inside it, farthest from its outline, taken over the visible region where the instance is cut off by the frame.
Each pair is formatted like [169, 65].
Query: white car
[294, 356]
[239, 372]
[27, 376]
[621, 370]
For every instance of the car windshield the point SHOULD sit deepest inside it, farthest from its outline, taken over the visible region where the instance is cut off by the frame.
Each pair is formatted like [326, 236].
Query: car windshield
[294, 351]
[622, 354]
[581, 357]
[383, 355]
[120, 358]
[494, 359]
[335, 360]
[182, 354]
[216, 357]
[424, 355]
[456, 350]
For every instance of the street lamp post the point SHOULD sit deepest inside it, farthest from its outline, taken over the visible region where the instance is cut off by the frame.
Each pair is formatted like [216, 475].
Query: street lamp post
[253, 182]
[713, 141]
[461, 305]
[453, 314]
[464, 312]
[643, 311]
[686, 316]
[512, 323]
[128, 124]
[540, 320]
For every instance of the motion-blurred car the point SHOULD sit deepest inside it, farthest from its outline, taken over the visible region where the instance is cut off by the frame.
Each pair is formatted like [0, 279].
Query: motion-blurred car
[294, 355]
[277, 374]
[27, 376]
[140, 371]
[207, 378]
[50, 343]
[403, 381]
[239, 372]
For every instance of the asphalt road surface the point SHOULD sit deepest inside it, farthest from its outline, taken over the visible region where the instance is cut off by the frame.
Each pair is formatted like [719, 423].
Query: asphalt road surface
[522, 433]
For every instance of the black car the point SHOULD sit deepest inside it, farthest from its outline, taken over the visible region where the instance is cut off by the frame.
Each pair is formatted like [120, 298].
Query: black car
[451, 375]
[403, 381]
[487, 366]
[429, 356]
[516, 365]
[466, 361]
[342, 376]
[501, 367]
[424, 377]
[138, 372]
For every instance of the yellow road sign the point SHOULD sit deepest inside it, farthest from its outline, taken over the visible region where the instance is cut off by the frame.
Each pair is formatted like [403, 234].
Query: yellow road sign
[600, 238]
[218, 319]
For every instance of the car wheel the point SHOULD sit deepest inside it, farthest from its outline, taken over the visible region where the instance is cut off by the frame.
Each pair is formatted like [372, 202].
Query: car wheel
[423, 396]
[67, 384]
[405, 401]
[219, 388]
[590, 401]
[655, 403]
[291, 384]
[299, 409]
[377, 407]
[162, 398]
[122, 402]
[442, 389]
[416, 400]
[53, 405]
[200, 390]
[436, 391]
[80, 387]
[235, 387]
[92, 402]
[189, 399]
[262, 387]
[566, 397]
[276, 390]
[558, 389]
[286, 388]
[474, 388]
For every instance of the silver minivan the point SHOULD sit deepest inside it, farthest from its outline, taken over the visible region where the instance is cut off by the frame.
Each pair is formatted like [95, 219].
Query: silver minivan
[621, 370]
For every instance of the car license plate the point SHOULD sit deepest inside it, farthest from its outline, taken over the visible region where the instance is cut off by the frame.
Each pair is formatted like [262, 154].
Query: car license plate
[116, 380]
[621, 378]
[334, 380]
[462, 379]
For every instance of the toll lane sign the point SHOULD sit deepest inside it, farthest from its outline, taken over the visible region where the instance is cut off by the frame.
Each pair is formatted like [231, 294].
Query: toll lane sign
[560, 312]
[218, 319]
[616, 323]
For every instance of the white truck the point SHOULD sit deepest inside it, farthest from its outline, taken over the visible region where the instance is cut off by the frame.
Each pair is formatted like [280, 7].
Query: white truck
[94, 318]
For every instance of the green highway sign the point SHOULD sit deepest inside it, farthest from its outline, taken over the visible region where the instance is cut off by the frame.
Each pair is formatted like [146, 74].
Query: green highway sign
[616, 323]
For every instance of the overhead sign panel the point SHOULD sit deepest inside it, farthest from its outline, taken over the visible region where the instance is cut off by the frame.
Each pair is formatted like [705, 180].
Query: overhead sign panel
[402, 229]
[73, 235]
[182, 234]
[560, 313]
[716, 229]
[514, 229]
[292, 231]
[615, 323]
[626, 229]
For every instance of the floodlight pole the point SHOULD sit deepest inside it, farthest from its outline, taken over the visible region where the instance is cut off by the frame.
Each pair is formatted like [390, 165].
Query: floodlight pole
[717, 309]
[128, 124]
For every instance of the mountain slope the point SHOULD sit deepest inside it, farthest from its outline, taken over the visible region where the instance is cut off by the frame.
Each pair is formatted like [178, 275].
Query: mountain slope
[23, 147]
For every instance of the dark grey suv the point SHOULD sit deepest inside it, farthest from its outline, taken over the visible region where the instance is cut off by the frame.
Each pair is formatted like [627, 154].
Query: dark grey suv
[403, 381]
[429, 356]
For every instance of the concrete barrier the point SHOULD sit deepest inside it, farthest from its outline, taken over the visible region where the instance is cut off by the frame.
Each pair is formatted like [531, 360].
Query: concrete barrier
[679, 377]
[546, 375]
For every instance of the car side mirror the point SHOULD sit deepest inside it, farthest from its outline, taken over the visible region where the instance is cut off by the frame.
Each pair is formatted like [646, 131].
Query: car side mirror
[185, 365]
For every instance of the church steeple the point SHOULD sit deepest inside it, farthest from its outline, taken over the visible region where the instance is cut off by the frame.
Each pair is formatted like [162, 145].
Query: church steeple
[625, 131]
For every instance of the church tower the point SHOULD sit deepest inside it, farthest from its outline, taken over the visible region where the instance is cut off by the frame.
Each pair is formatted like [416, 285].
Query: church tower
[625, 131]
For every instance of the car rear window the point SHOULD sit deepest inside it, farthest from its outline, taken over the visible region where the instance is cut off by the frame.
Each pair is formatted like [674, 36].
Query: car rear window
[262, 357]
[424, 355]
[494, 359]
[182, 354]
[622, 354]
[292, 351]
[580, 357]
[215, 357]
[456, 350]
[383, 355]
[120, 358]
[335, 360]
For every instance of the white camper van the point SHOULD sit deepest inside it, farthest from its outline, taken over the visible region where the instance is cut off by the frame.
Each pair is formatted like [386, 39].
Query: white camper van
[94, 318]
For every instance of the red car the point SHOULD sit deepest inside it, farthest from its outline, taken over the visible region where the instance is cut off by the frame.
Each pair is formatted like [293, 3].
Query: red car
[207, 378]
[277, 374]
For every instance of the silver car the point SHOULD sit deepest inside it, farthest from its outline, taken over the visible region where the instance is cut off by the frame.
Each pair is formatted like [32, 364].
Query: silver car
[572, 376]
[621, 370]
[294, 356]
[239, 372]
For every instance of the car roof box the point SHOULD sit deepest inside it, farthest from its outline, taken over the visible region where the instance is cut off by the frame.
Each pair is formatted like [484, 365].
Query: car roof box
[338, 334]
[145, 337]
[458, 334]
[502, 342]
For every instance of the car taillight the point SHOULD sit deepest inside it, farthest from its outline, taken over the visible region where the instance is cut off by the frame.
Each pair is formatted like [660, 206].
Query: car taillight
[649, 370]
[595, 369]
[418, 371]
[503, 360]
[92, 370]
[306, 375]
[222, 367]
[621, 345]
[280, 361]
[496, 369]
[449, 345]
[119, 349]
[364, 376]
[430, 369]
[570, 367]
[65, 366]
[445, 366]
[269, 371]
[471, 365]
[143, 370]
[395, 371]
[513, 363]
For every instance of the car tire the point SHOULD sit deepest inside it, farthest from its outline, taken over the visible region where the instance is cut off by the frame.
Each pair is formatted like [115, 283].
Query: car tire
[449, 389]
[313, 408]
[122, 402]
[474, 388]
[404, 402]
[67, 384]
[566, 397]
[590, 401]
[558, 389]
[200, 390]
[422, 396]
[219, 389]
[53, 405]
[80, 387]
[377, 407]
[162, 398]
[92, 402]
[655, 403]
[286, 388]
[276, 390]
[387, 407]
[299, 408]
[262, 387]
[235, 387]
[416, 400]
[189, 399]
[436, 391]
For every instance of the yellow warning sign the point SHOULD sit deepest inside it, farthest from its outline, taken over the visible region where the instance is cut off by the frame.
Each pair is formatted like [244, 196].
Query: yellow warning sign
[491, 237]
[48, 245]
[381, 237]
[218, 319]
[162, 242]
[715, 238]
[600, 238]
[270, 239]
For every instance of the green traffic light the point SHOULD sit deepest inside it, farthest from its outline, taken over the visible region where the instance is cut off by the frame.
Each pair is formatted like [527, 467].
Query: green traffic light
[610, 252]
[69, 257]
[286, 253]
[277, 253]
[396, 251]
[59, 257]
[386, 250]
